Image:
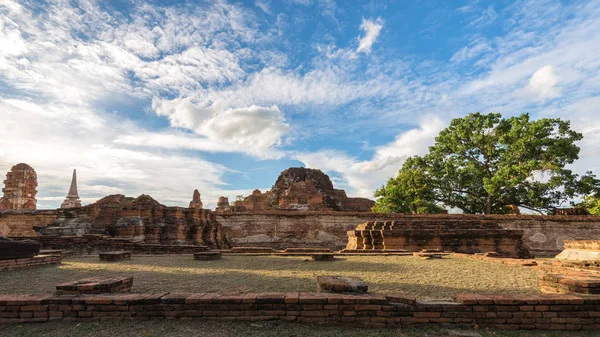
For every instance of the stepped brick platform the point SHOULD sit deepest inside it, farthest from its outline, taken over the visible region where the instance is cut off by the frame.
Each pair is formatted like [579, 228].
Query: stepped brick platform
[580, 250]
[205, 256]
[114, 256]
[64, 253]
[339, 284]
[252, 250]
[462, 237]
[540, 312]
[96, 285]
[38, 260]
[322, 257]
[570, 284]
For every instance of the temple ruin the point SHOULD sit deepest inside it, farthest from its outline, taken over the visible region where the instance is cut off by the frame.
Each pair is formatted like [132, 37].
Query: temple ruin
[302, 209]
[20, 188]
[140, 219]
[303, 189]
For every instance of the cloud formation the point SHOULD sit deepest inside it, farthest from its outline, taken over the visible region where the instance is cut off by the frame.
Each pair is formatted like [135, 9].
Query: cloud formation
[371, 29]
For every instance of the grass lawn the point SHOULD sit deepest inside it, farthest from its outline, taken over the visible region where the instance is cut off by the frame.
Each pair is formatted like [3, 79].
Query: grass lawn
[385, 274]
[169, 328]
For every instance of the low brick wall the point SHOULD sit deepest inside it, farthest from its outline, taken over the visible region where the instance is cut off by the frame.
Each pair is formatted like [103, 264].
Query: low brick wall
[30, 262]
[544, 312]
[96, 243]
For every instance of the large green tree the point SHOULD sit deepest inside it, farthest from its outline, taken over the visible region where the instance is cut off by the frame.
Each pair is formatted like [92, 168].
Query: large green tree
[483, 163]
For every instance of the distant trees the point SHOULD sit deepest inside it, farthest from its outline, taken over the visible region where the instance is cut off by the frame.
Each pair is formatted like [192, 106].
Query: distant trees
[483, 163]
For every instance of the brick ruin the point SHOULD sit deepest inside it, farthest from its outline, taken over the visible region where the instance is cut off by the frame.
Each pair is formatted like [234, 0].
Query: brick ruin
[19, 188]
[303, 189]
[471, 237]
[302, 209]
[140, 219]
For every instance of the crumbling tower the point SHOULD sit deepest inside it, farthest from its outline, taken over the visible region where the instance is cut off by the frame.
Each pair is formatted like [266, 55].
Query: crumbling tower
[196, 202]
[20, 188]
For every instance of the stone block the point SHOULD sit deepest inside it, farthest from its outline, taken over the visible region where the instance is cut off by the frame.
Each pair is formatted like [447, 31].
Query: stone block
[341, 284]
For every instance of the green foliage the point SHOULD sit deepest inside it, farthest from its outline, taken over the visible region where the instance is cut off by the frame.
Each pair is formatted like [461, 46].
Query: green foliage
[592, 204]
[409, 192]
[485, 163]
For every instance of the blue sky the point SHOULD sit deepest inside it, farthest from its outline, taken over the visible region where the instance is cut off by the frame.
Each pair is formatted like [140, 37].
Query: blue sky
[162, 97]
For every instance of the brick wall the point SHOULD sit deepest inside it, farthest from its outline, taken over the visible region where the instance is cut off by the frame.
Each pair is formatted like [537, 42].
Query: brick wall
[21, 222]
[93, 244]
[542, 235]
[545, 312]
[29, 262]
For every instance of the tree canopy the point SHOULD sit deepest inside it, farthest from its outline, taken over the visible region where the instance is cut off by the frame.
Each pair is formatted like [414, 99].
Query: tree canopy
[483, 163]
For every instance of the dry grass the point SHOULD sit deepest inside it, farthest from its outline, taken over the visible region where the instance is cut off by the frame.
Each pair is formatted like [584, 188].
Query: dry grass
[384, 274]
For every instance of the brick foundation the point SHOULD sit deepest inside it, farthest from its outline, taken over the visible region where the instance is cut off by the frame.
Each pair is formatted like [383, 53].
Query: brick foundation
[96, 285]
[95, 243]
[543, 312]
[38, 260]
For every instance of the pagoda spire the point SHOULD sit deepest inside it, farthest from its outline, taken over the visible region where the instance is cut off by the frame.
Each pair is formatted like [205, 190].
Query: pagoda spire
[72, 199]
[73, 189]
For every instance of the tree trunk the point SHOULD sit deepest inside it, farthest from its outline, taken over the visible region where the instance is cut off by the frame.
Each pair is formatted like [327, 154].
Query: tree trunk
[489, 205]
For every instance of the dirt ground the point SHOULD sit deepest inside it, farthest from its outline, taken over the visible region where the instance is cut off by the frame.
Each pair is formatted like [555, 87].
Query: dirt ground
[385, 274]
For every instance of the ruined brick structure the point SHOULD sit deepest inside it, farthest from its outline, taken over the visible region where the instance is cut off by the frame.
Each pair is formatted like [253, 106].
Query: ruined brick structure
[19, 188]
[473, 236]
[140, 219]
[223, 205]
[303, 189]
[196, 202]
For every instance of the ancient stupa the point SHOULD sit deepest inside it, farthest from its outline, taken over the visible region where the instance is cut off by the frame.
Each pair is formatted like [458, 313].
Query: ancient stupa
[72, 200]
[196, 202]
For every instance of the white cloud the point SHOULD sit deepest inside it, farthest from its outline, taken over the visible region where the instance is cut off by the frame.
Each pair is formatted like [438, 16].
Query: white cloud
[256, 130]
[263, 5]
[474, 49]
[543, 82]
[371, 29]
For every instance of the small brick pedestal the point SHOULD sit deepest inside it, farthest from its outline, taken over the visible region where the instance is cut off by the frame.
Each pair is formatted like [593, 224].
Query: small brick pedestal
[205, 256]
[340, 284]
[115, 256]
[322, 257]
[570, 284]
[96, 285]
